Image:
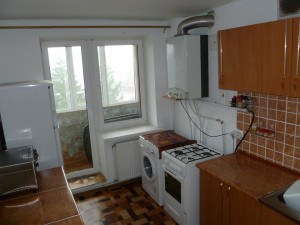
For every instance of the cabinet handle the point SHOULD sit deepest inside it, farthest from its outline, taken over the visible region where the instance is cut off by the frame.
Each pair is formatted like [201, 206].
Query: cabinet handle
[228, 188]
[221, 184]
[221, 53]
[285, 46]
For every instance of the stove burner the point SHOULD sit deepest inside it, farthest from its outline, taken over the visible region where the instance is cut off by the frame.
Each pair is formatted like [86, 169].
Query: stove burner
[206, 154]
[178, 152]
[190, 153]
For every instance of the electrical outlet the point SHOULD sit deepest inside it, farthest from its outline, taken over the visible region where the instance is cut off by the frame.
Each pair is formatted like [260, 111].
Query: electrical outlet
[237, 134]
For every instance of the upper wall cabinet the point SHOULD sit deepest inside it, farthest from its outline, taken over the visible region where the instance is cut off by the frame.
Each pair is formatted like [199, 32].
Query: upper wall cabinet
[261, 58]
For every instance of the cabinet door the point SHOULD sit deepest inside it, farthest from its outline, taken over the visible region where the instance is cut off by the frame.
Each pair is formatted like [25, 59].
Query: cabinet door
[295, 75]
[271, 217]
[234, 50]
[243, 209]
[256, 58]
[210, 200]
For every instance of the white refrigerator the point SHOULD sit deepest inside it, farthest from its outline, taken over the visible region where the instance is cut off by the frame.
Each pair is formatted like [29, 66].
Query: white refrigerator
[28, 117]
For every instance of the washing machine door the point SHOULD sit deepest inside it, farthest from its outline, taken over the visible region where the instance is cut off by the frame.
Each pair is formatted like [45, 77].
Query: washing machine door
[148, 167]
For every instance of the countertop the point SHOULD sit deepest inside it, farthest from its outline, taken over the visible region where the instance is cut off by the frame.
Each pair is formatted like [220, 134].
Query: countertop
[52, 203]
[253, 176]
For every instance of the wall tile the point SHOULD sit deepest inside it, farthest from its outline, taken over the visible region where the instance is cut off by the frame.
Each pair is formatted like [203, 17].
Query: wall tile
[278, 113]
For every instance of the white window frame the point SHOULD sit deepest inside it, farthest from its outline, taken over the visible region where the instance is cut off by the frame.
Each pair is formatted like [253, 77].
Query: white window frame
[92, 82]
[141, 77]
[71, 78]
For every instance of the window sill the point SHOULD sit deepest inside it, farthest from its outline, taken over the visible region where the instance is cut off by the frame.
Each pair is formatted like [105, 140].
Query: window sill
[127, 133]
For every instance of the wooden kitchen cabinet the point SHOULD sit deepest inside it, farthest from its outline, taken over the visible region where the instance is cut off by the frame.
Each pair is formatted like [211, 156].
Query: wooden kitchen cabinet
[271, 217]
[221, 204]
[258, 58]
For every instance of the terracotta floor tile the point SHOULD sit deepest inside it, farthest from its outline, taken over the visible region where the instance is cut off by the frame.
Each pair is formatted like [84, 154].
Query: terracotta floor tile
[121, 205]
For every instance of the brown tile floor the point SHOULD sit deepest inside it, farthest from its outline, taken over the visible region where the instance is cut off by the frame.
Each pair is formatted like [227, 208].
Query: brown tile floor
[126, 204]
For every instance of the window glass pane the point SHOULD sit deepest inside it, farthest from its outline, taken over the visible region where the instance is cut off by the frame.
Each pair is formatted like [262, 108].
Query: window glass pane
[59, 76]
[78, 76]
[119, 82]
[67, 76]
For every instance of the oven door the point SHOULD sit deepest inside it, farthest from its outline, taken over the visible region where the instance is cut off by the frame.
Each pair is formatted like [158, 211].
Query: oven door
[173, 196]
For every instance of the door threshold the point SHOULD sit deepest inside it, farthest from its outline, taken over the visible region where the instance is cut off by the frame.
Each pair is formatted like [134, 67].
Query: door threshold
[84, 181]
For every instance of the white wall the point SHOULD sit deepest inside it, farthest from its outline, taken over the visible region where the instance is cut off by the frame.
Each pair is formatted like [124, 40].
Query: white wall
[21, 57]
[238, 13]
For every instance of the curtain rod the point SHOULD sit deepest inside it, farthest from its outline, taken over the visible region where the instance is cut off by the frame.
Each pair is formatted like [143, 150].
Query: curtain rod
[72, 27]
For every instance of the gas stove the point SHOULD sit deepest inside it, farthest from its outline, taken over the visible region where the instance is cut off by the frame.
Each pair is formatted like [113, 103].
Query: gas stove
[182, 181]
[193, 152]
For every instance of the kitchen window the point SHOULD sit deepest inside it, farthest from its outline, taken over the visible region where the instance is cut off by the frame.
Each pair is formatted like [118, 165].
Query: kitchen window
[119, 79]
[113, 70]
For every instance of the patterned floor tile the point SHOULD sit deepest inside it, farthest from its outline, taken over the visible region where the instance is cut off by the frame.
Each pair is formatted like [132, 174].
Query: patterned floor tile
[127, 204]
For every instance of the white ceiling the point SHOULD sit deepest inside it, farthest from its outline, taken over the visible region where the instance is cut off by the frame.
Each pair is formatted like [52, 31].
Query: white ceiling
[104, 9]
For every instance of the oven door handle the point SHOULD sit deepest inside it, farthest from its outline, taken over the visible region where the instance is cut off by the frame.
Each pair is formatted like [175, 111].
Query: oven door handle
[177, 177]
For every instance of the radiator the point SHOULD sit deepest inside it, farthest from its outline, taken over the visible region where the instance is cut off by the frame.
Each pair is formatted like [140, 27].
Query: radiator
[127, 160]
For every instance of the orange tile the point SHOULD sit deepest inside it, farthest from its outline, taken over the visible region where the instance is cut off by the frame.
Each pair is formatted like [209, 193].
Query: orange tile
[253, 139]
[291, 118]
[296, 163]
[263, 102]
[278, 146]
[270, 154]
[298, 131]
[292, 99]
[297, 142]
[278, 157]
[297, 152]
[271, 114]
[270, 144]
[247, 118]
[292, 107]
[281, 116]
[280, 127]
[283, 98]
[289, 150]
[289, 139]
[290, 129]
[261, 141]
[279, 137]
[263, 112]
[261, 151]
[275, 97]
[298, 119]
[263, 95]
[253, 148]
[240, 117]
[240, 125]
[262, 122]
[288, 161]
[272, 104]
[281, 105]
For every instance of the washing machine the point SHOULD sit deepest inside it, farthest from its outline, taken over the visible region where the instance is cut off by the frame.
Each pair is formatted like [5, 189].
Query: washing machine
[151, 146]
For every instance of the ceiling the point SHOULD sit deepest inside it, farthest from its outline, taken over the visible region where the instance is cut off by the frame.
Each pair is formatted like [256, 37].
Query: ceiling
[104, 9]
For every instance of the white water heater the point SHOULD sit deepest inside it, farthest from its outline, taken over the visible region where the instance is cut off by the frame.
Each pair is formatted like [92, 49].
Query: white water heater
[187, 58]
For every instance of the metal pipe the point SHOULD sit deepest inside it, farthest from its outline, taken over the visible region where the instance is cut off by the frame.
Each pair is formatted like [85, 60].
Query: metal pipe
[195, 22]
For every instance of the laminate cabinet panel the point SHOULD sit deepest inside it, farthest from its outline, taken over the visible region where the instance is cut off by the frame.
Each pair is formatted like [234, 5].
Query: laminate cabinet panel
[271, 217]
[210, 196]
[222, 204]
[257, 58]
